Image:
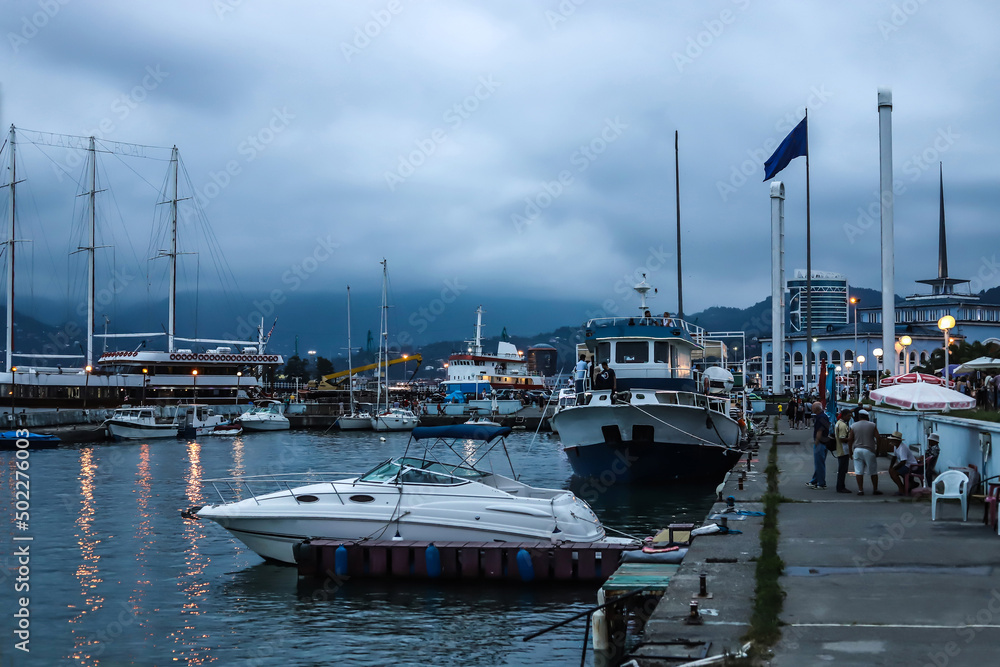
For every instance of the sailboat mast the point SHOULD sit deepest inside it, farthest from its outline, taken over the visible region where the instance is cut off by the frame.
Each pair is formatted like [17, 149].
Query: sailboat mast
[350, 360]
[91, 245]
[383, 361]
[677, 189]
[171, 318]
[10, 258]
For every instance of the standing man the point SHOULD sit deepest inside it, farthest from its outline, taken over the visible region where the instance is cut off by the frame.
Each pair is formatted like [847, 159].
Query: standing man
[581, 373]
[863, 439]
[841, 432]
[606, 380]
[821, 431]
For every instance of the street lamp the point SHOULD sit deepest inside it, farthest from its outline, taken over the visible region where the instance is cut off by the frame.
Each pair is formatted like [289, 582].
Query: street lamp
[86, 385]
[405, 357]
[854, 301]
[906, 341]
[239, 374]
[849, 365]
[878, 355]
[861, 362]
[944, 324]
[194, 383]
[145, 378]
[13, 391]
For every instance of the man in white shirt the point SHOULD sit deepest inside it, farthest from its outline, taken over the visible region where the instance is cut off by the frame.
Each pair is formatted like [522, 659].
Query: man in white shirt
[904, 464]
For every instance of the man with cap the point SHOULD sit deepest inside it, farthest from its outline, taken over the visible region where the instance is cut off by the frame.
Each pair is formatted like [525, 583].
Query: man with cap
[862, 440]
[905, 463]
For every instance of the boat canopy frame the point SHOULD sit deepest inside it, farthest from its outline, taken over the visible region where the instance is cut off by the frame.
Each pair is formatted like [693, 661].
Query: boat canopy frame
[489, 438]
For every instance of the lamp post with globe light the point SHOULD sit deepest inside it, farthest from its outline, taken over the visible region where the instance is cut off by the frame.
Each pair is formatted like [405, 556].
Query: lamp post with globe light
[239, 374]
[945, 324]
[905, 342]
[878, 356]
[848, 365]
[861, 361]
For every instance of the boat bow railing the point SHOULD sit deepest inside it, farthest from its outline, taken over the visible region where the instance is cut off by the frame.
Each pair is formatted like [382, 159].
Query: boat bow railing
[231, 489]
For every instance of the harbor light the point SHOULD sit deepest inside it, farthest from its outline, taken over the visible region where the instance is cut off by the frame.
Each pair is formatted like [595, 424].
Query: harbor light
[945, 324]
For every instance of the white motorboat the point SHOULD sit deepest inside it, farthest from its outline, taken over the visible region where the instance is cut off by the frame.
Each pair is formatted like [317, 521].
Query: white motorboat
[667, 420]
[417, 496]
[197, 419]
[138, 424]
[267, 415]
[387, 417]
[356, 421]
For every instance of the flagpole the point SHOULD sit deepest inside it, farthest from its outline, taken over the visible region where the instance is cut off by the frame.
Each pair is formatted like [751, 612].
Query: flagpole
[809, 322]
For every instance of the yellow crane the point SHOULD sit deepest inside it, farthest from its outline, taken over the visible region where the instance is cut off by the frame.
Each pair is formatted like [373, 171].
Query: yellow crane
[334, 380]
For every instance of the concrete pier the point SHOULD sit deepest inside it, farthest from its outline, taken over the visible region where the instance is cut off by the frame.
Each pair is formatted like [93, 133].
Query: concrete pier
[868, 580]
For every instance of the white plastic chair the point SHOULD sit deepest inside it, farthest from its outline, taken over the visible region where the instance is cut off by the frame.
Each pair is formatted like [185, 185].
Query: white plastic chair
[953, 484]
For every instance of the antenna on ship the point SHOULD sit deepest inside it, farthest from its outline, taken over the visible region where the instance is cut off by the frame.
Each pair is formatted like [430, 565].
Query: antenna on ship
[642, 288]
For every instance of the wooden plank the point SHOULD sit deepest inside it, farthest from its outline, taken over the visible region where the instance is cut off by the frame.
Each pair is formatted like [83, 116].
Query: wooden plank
[541, 562]
[610, 557]
[468, 557]
[586, 564]
[400, 559]
[420, 559]
[449, 559]
[493, 562]
[378, 557]
[327, 562]
[562, 563]
[355, 560]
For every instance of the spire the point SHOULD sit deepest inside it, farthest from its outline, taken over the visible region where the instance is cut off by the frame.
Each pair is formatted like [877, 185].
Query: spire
[942, 239]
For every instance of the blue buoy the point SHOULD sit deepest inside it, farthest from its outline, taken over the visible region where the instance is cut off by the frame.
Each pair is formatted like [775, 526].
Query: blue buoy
[524, 566]
[340, 561]
[433, 557]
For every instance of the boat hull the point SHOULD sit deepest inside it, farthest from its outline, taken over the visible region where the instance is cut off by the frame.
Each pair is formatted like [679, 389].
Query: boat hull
[265, 424]
[648, 443]
[393, 423]
[352, 423]
[131, 431]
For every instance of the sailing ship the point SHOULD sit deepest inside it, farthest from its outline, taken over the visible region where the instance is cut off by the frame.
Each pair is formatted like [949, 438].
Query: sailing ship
[220, 374]
[387, 417]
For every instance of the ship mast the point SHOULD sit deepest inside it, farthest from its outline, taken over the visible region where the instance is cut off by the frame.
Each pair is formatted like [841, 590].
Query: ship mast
[10, 259]
[477, 347]
[350, 361]
[172, 317]
[91, 246]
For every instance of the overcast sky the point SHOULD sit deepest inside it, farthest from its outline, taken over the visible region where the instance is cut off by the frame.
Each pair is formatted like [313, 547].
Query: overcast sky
[517, 147]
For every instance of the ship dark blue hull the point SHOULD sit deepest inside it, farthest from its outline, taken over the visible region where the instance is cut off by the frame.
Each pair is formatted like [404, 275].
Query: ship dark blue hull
[648, 462]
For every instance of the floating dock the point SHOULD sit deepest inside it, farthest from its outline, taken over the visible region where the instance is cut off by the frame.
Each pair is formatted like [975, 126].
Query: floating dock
[511, 561]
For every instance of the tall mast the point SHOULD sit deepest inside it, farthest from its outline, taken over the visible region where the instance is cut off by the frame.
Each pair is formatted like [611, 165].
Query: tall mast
[10, 258]
[383, 361]
[677, 187]
[350, 361]
[91, 247]
[172, 317]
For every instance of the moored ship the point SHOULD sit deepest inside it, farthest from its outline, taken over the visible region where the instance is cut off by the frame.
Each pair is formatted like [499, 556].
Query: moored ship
[661, 421]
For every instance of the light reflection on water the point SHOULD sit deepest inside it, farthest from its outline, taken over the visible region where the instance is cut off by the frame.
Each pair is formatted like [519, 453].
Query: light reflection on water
[154, 588]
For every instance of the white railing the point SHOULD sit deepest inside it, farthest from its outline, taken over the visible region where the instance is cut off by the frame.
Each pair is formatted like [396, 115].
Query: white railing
[230, 489]
[692, 330]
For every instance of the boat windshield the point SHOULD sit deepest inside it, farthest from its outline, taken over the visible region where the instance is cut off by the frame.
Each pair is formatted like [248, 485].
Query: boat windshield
[420, 471]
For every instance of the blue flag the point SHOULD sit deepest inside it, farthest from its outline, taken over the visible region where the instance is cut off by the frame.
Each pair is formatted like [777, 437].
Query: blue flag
[795, 144]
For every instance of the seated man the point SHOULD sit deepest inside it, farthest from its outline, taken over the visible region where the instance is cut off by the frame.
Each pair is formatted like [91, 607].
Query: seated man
[905, 464]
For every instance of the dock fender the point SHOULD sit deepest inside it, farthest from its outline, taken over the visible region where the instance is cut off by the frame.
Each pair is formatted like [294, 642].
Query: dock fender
[340, 561]
[524, 565]
[433, 559]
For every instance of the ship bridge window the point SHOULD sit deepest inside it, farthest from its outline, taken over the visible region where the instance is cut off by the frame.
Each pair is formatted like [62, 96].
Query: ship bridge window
[632, 352]
[661, 352]
[603, 352]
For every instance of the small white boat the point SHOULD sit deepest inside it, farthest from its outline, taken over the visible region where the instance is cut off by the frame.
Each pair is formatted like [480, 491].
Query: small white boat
[394, 419]
[356, 421]
[197, 419]
[138, 424]
[267, 415]
[418, 496]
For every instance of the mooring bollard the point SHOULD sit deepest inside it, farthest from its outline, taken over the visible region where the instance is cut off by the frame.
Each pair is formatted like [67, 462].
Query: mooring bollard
[703, 585]
[694, 618]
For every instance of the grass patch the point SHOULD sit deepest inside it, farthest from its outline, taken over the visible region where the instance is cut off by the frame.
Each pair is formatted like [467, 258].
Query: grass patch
[765, 626]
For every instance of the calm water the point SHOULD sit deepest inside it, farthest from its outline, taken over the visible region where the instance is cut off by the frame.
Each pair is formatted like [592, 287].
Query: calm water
[118, 577]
